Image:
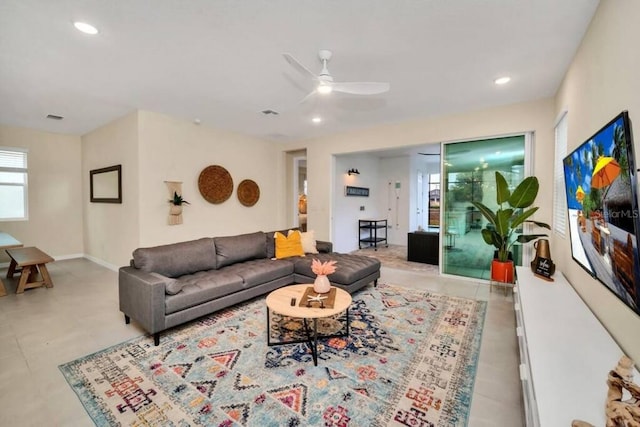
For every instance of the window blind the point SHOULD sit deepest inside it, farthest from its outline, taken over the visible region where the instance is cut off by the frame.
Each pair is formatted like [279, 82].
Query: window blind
[559, 196]
[13, 160]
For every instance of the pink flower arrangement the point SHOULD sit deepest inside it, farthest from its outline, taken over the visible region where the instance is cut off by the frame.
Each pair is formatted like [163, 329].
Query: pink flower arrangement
[323, 268]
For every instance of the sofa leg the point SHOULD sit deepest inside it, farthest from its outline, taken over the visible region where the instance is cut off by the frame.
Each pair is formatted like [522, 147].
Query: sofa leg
[127, 319]
[375, 283]
[156, 339]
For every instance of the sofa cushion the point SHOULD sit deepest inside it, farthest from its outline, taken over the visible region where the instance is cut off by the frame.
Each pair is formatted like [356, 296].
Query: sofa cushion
[232, 249]
[259, 271]
[349, 268]
[308, 240]
[288, 246]
[171, 286]
[177, 259]
[202, 287]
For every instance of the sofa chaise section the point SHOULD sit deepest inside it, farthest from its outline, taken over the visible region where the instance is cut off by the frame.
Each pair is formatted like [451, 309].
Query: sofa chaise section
[353, 272]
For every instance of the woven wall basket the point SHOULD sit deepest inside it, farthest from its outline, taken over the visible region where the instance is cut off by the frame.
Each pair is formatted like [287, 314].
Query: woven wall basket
[248, 192]
[215, 184]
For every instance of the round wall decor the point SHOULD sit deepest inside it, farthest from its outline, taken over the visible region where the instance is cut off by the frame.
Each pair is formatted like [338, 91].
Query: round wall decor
[215, 184]
[248, 192]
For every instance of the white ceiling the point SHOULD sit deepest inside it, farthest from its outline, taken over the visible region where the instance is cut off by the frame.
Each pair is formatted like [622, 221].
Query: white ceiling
[220, 61]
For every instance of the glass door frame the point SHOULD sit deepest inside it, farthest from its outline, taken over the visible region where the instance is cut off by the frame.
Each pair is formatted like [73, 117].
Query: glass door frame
[528, 171]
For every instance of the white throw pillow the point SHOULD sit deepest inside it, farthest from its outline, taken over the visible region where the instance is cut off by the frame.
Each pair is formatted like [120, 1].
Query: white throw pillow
[308, 240]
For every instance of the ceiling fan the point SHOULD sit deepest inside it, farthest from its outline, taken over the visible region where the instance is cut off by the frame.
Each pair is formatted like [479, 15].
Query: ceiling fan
[325, 83]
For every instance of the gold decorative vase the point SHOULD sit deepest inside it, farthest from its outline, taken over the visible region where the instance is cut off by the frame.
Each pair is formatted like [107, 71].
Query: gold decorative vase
[542, 251]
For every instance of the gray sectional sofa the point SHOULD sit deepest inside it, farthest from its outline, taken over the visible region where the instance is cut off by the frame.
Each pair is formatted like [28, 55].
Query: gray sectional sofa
[165, 286]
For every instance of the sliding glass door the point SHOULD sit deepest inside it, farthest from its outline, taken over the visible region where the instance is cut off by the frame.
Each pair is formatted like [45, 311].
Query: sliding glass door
[469, 175]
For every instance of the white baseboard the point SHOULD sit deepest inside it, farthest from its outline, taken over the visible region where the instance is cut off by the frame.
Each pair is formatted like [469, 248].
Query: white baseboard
[101, 262]
[74, 256]
[70, 256]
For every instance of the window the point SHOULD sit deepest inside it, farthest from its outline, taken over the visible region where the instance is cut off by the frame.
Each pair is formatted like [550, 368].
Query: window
[559, 197]
[13, 184]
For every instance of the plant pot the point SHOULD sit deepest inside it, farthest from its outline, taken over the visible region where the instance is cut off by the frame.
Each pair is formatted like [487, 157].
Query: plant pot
[502, 271]
[321, 285]
[509, 255]
[175, 210]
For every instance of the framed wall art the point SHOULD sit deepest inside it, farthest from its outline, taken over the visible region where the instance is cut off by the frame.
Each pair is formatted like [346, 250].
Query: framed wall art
[105, 184]
[356, 191]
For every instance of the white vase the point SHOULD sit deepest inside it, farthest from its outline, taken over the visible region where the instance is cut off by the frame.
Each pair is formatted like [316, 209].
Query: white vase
[321, 285]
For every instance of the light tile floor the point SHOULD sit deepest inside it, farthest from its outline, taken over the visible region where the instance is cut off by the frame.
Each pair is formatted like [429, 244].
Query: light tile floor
[44, 328]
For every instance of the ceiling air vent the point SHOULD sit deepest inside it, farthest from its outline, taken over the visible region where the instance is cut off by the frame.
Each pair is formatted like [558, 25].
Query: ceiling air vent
[267, 112]
[54, 117]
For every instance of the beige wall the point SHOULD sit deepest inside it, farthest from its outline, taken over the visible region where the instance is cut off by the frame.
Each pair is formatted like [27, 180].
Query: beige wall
[153, 148]
[55, 192]
[111, 231]
[177, 150]
[601, 82]
[534, 116]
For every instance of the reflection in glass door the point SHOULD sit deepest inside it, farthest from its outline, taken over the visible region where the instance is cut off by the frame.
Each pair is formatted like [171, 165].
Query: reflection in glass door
[469, 175]
[434, 200]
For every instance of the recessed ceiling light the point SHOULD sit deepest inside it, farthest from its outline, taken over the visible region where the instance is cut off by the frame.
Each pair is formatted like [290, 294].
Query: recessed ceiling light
[502, 80]
[317, 119]
[85, 28]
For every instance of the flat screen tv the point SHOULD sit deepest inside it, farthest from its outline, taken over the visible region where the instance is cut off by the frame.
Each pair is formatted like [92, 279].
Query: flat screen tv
[600, 180]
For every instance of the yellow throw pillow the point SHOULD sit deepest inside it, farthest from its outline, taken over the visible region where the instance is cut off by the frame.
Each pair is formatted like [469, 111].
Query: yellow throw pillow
[288, 246]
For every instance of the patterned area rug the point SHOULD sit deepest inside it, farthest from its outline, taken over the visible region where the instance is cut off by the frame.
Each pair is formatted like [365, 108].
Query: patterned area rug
[395, 256]
[410, 360]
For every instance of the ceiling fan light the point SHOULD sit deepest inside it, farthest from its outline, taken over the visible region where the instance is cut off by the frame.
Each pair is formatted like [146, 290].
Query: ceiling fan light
[324, 89]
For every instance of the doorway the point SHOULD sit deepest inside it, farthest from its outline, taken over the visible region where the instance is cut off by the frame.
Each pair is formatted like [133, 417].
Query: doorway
[469, 175]
[299, 190]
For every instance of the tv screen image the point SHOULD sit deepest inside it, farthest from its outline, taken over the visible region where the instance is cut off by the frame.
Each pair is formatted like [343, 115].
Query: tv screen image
[600, 185]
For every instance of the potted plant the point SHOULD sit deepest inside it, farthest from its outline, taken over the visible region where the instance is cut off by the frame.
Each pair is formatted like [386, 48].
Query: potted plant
[176, 203]
[514, 209]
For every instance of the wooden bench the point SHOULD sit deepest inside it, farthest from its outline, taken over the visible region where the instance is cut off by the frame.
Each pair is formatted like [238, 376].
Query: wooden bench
[7, 241]
[623, 264]
[30, 260]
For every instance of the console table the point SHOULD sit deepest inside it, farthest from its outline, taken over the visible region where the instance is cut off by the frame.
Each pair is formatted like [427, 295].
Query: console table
[423, 247]
[565, 353]
[373, 229]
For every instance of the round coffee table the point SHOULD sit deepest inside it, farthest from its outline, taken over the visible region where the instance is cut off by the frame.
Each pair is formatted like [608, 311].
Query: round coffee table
[286, 301]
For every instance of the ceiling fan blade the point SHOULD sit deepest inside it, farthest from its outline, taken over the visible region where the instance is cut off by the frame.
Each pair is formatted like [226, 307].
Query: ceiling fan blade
[306, 98]
[361, 88]
[298, 66]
